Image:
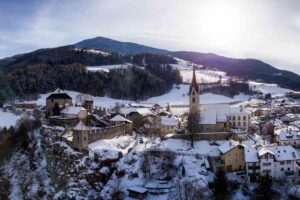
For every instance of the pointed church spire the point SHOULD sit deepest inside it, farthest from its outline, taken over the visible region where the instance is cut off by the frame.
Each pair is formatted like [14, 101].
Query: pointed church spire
[194, 83]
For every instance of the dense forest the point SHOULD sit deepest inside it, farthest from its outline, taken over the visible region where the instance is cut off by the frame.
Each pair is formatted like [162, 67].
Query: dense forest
[131, 83]
[44, 70]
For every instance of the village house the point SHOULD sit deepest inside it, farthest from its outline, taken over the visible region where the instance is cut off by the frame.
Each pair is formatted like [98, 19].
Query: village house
[26, 105]
[57, 101]
[168, 125]
[276, 161]
[232, 154]
[240, 117]
[288, 136]
[139, 116]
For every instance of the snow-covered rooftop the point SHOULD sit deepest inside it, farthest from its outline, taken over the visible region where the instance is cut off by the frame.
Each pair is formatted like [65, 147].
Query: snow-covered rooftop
[281, 153]
[251, 154]
[141, 111]
[72, 110]
[288, 133]
[81, 127]
[228, 145]
[119, 118]
[213, 113]
[168, 121]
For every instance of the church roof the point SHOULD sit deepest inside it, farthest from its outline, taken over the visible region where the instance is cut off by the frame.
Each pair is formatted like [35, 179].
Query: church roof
[194, 83]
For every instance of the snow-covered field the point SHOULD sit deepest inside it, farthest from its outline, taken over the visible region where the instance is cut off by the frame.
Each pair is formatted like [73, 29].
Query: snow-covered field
[265, 88]
[106, 68]
[178, 95]
[8, 119]
[203, 75]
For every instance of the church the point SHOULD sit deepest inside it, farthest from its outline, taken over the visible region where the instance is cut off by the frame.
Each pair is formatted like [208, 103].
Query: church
[213, 117]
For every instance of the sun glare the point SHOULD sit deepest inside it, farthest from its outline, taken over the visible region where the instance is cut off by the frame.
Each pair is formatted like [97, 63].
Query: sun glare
[223, 24]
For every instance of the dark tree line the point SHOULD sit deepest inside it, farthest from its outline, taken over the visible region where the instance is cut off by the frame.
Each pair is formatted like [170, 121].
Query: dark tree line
[234, 88]
[156, 59]
[131, 83]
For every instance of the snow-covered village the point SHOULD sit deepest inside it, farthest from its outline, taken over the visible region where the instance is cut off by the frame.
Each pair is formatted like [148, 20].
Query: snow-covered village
[185, 144]
[150, 100]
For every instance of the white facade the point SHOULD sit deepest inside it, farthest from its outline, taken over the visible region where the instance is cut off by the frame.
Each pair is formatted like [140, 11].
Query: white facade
[240, 117]
[277, 161]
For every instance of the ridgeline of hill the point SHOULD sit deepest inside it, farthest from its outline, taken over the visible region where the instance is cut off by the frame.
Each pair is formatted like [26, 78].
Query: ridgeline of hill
[44, 70]
[251, 69]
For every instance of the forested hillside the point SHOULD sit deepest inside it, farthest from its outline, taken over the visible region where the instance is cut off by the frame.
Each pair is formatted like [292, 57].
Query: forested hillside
[131, 83]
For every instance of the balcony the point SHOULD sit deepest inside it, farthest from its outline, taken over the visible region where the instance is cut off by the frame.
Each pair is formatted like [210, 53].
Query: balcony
[253, 167]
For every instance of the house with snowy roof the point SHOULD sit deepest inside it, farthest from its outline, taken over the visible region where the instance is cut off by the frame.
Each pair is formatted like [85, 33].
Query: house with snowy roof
[288, 136]
[240, 117]
[232, 154]
[168, 124]
[74, 112]
[57, 101]
[277, 161]
[139, 116]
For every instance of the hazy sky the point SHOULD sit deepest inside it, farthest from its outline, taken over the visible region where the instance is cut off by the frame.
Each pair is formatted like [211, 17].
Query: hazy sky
[267, 30]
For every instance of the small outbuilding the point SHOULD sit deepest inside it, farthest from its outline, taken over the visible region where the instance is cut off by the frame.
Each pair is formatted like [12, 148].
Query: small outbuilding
[137, 192]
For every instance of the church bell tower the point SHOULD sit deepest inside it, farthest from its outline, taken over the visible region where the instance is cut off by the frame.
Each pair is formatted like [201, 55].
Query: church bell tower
[194, 94]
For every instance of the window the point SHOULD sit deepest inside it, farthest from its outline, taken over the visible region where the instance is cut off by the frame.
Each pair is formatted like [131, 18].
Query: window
[225, 125]
[244, 124]
[244, 118]
[282, 163]
[239, 123]
[288, 162]
[194, 100]
[233, 117]
[239, 117]
[282, 169]
[266, 164]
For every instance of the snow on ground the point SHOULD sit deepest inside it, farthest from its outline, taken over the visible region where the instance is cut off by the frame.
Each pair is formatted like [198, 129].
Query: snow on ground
[180, 96]
[8, 119]
[109, 148]
[106, 68]
[177, 95]
[106, 102]
[265, 88]
[203, 76]
[30, 170]
[93, 51]
[184, 147]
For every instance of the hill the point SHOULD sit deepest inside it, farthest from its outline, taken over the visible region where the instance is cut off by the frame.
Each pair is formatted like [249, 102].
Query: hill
[245, 68]
[114, 46]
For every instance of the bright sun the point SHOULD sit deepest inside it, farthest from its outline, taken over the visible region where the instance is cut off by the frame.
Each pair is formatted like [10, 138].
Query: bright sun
[223, 24]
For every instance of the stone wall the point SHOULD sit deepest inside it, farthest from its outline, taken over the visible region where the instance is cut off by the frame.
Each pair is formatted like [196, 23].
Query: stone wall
[60, 121]
[204, 136]
[110, 132]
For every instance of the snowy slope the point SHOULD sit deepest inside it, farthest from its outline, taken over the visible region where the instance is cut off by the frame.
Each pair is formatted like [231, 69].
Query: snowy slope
[106, 68]
[203, 75]
[8, 119]
[265, 88]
